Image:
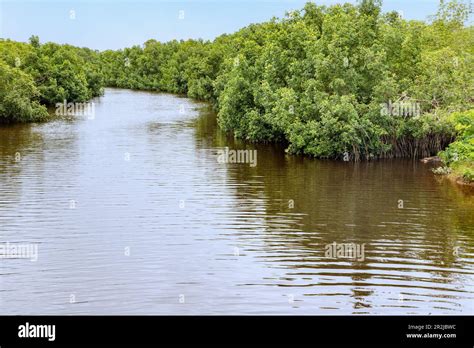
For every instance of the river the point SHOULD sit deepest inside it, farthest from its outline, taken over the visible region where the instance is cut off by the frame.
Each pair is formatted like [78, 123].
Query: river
[131, 213]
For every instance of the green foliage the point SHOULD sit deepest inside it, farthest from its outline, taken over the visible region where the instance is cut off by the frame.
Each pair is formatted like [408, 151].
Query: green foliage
[333, 67]
[18, 97]
[459, 155]
[48, 74]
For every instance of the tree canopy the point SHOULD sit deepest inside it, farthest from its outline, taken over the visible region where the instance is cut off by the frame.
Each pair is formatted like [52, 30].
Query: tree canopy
[45, 74]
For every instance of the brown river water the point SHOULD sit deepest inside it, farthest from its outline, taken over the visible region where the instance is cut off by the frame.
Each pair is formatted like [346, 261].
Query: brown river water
[132, 213]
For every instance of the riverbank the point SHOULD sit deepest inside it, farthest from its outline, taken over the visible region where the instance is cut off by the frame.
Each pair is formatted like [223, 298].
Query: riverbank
[458, 157]
[458, 177]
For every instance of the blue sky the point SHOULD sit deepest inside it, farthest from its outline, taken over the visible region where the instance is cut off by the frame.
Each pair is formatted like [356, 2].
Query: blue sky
[108, 24]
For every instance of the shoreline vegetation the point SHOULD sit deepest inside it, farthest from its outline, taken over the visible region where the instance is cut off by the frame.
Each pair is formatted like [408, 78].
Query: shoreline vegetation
[338, 82]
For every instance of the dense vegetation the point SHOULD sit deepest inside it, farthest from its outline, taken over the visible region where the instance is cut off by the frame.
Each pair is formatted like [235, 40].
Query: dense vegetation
[459, 155]
[344, 81]
[33, 76]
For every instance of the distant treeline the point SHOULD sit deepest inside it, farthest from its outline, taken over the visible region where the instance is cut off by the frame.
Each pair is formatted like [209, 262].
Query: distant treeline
[345, 81]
